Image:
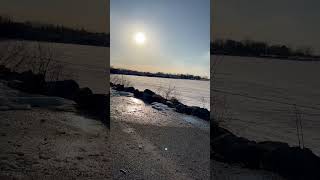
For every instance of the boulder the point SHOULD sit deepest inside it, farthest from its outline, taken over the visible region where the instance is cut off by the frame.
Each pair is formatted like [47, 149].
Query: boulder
[149, 92]
[169, 104]
[137, 93]
[147, 96]
[119, 87]
[96, 105]
[84, 92]
[129, 89]
[201, 113]
[238, 150]
[293, 163]
[175, 101]
[158, 98]
[68, 89]
[4, 72]
[269, 146]
[32, 83]
[216, 130]
[16, 84]
[181, 108]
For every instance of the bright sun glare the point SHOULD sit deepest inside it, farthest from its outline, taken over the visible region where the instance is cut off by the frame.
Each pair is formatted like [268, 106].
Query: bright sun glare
[140, 38]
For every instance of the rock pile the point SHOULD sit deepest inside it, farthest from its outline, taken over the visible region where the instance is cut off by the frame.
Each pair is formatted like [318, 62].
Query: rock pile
[291, 162]
[149, 96]
[94, 104]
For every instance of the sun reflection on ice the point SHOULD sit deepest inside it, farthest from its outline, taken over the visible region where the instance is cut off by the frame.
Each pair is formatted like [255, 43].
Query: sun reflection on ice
[135, 100]
[135, 105]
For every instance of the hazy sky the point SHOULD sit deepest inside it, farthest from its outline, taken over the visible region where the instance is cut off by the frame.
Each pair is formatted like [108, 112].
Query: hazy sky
[177, 34]
[292, 22]
[89, 14]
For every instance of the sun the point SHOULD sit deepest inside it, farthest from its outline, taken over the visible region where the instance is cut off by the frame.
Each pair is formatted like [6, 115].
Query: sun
[140, 38]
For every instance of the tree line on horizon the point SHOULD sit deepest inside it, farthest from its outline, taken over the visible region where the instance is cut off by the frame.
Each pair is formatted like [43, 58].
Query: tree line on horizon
[258, 49]
[158, 74]
[10, 29]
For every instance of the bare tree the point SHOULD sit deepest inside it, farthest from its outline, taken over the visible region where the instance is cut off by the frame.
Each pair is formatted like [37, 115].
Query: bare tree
[121, 80]
[39, 58]
[218, 102]
[12, 53]
[299, 129]
[169, 92]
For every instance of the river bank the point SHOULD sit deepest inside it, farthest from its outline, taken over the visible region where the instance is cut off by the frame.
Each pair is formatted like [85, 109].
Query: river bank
[86, 102]
[151, 97]
[46, 137]
[156, 143]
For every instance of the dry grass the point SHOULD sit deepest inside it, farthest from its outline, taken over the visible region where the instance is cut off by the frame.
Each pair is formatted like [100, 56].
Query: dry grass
[122, 80]
[169, 92]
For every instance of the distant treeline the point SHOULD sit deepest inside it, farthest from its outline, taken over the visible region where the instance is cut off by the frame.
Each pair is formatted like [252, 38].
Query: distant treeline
[50, 33]
[158, 74]
[260, 49]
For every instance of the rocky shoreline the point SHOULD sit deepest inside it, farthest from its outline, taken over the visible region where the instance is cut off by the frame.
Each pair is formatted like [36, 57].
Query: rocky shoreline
[95, 105]
[150, 97]
[290, 162]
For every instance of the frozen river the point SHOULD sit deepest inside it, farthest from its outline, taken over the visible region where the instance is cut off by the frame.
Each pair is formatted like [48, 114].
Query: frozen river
[259, 95]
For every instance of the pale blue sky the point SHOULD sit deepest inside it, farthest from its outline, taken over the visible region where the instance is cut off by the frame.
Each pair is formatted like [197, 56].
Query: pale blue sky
[177, 35]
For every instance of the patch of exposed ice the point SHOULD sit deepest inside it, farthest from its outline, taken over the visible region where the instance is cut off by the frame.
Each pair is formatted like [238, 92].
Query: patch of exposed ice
[15, 107]
[159, 106]
[43, 101]
[121, 93]
[196, 121]
[11, 99]
[127, 94]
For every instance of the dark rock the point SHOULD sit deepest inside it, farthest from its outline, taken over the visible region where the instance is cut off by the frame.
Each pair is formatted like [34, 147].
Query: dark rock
[7, 74]
[97, 105]
[293, 163]
[119, 87]
[269, 146]
[148, 91]
[123, 171]
[67, 89]
[290, 162]
[238, 150]
[147, 96]
[175, 101]
[32, 83]
[4, 70]
[137, 93]
[189, 110]
[129, 89]
[158, 98]
[169, 104]
[16, 84]
[201, 113]
[181, 108]
[216, 130]
[83, 92]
